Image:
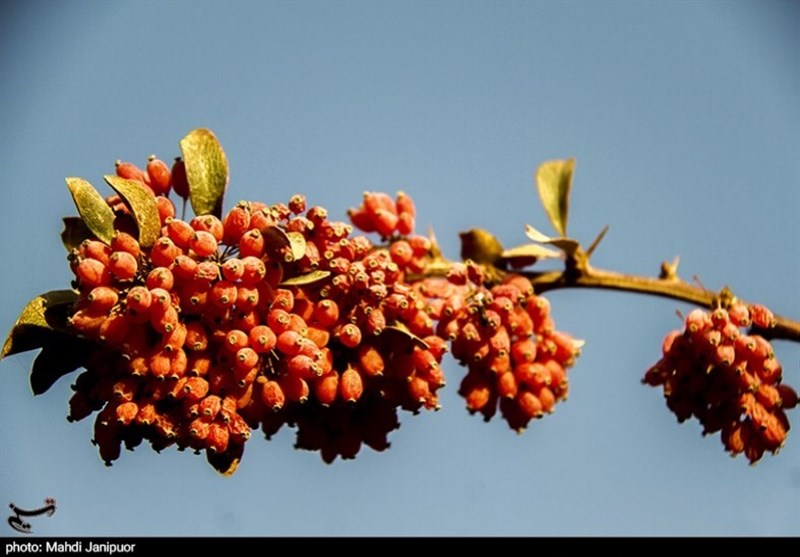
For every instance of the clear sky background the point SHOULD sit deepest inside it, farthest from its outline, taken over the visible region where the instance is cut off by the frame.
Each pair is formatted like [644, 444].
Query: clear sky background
[684, 118]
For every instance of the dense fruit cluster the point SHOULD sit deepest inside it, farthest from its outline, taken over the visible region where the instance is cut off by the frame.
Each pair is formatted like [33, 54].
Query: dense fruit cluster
[728, 379]
[271, 315]
[506, 338]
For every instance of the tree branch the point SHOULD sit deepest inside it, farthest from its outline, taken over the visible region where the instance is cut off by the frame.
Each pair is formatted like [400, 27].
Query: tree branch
[586, 276]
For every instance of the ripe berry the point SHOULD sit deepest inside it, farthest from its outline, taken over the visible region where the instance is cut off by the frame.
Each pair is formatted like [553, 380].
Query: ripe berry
[159, 175]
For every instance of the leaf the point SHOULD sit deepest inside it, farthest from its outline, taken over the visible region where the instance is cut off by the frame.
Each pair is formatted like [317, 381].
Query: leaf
[400, 329]
[298, 245]
[40, 320]
[276, 239]
[535, 235]
[308, 278]
[60, 356]
[480, 246]
[75, 232]
[142, 204]
[554, 180]
[226, 463]
[567, 245]
[530, 250]
[206, 171]
[93, 209]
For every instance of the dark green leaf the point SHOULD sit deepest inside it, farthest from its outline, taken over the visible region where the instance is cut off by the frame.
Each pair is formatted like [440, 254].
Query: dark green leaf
[75, 232]
[43, 318]
[60, 356]
[143, 205]
[275, 238]
[554, 180]
[206, 171]
[226, 463]
[93, 209]
[308, 278]
[403, 333]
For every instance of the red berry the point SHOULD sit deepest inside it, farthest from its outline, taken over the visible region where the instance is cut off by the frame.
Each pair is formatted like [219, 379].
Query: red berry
[180, 183]
[159, 174]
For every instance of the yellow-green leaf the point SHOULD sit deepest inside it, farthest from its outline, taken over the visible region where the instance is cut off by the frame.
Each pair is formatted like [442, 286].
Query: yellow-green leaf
[93, 209]
[567, 245]
[39, 321]
[308, 278]
[480, 246]
[75, 232]
[143, 205]
[530, 250]
[535, 235]
[554, 180]
[298, 245]
[206, 171]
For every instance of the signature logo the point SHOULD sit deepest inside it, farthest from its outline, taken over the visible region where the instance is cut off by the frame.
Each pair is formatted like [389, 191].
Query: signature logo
[16, 522]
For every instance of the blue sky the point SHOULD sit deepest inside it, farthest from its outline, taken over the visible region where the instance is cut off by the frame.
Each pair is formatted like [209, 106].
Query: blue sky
[684, 118]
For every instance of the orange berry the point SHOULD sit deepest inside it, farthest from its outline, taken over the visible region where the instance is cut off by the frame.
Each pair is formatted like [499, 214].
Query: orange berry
[164, 320]
[126, 412]
[272, 395]
[129, 171]
[209, 223]
[476, 390]
[180, 232]
[349, 335]
[102, 298]
[253, 271]
[217, 438]
[114, 329]
[529, 404]
[262, 339]
[164, 252]
[203, 243]
[289, 342]
[195, 388]
[159, 174]
[166, 209]
[160, 277]
[95, 250]
[326, 388]
[252, 243]
[507, 385]
[419, 389]
[122, 241]
[235, 340]
[223, 294]
[123, 265]
[295, 388]
[92, 273]
[351, 386]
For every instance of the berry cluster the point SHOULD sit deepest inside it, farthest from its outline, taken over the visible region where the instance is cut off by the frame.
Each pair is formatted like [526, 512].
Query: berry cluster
[726, 378]
[271, 315]
[507, 339]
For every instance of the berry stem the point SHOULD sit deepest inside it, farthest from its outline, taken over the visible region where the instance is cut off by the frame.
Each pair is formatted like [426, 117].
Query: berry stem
[578, 273]
[586, 276]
